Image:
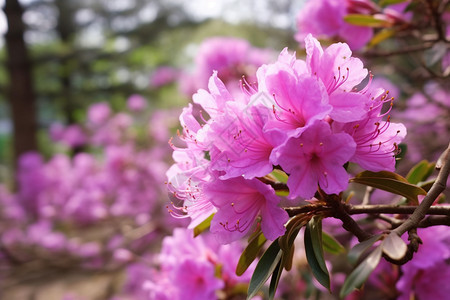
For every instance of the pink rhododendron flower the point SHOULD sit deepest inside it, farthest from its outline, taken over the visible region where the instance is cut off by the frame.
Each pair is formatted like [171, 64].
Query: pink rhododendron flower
[164, 75]
[300, 101]
[316, 158]
[136, 103]
[426, 275]
[187, 268]
[238, 203]
[232, 58]
[326, 18]
[243, 147]
[98, 113]
[303, 116]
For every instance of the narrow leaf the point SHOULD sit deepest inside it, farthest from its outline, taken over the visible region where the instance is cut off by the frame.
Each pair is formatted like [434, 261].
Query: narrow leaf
[365, 20]
[279, 175]
[358, 249]
[420, 172]
[393, 246]
[287, 240]
[288, 258]
[264, 268]
[314, 251]
[382, 35]
[390, 182]
[331, 245]
[275, 279]
[282, 193]
[203, 226]
[384, 3]
[250, 253]
[427, 184]
[356, 279]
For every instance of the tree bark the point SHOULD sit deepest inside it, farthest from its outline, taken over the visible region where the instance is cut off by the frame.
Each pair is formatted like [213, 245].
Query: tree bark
[21, 91]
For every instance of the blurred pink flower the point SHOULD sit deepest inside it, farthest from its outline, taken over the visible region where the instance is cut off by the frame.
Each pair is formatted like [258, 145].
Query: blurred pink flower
[98, 113]
[136, 103]
[232, 58]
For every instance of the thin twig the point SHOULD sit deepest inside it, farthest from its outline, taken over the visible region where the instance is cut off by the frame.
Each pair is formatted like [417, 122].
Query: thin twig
[410, 49]
[394, 209]
[438, 187]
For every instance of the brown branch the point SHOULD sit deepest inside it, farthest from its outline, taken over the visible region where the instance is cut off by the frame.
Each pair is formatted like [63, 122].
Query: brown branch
[338, 211]
[368, 209]
[434, 221]
[438, 187]
[394, 209]
[411, 49]
[436, 19]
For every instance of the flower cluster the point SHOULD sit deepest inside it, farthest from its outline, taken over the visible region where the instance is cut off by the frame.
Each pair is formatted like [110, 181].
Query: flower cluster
[303, 117]
[426, 114]
[86, 207]
[188, 268]
[325, 18]
[231, 57]
[426, 275]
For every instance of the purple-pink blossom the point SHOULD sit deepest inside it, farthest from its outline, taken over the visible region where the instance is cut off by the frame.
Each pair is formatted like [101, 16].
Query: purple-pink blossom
[305, 117]
[232, 58]
[239, 202]
[326, 18]
[316, 158]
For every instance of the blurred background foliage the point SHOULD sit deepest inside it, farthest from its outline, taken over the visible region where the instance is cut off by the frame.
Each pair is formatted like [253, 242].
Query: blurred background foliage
[88, 51]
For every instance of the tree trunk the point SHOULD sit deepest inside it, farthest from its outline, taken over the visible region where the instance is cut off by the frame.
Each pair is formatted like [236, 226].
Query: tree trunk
[21, 91]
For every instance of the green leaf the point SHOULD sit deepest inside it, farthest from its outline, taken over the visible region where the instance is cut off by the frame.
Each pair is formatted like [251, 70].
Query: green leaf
[282, 193]
[275, 279]
[365, 20]
[265, 267]
[331, 245]
[280, 175]
[314, 251]
[393, 246]
[287, 240]
[427, 184]
[250, 253]
[390, 182]
[356, 279]
[203, 226]
[358, 249]
[420, 172]
[384, 3]
[382, 35]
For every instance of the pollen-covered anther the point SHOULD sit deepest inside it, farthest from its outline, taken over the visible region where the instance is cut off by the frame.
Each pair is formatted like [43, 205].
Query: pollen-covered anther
[320, 144]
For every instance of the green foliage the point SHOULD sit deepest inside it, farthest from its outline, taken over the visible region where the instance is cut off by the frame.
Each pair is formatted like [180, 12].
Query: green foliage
[280, 176]
[357, 278]
[331, 245]
[250, 253]
[382, 35]
[390, 2]
[314, 251]
[420, 172]
[287, 240]
[203, 226]
[390, 182]
[265, 268]
[365, 20]
[355, 253]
